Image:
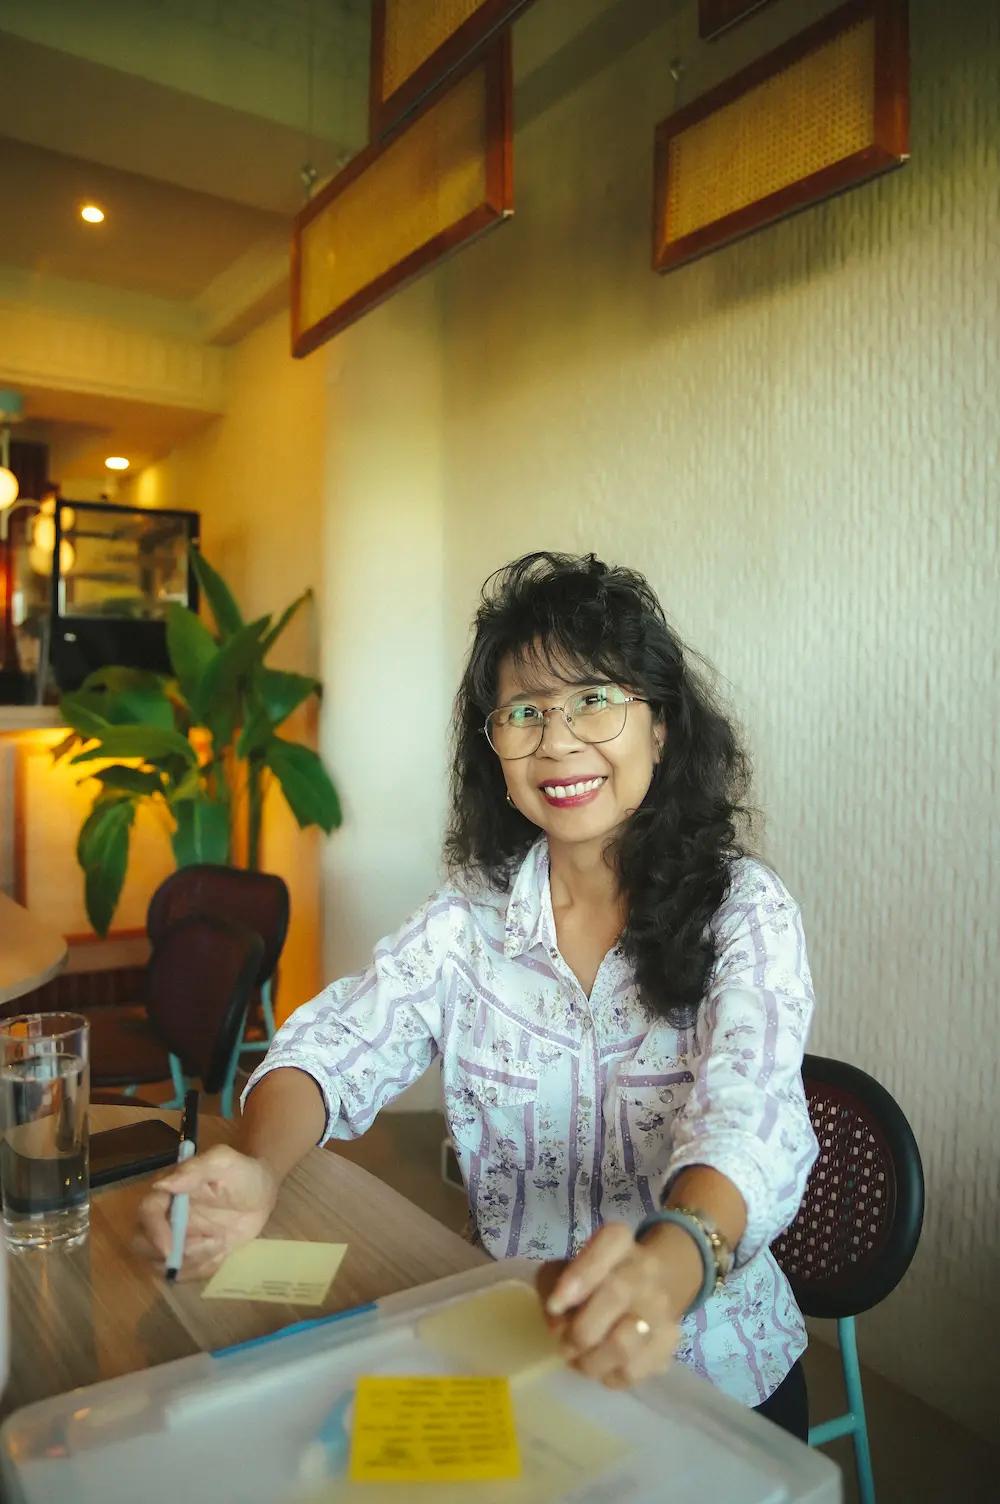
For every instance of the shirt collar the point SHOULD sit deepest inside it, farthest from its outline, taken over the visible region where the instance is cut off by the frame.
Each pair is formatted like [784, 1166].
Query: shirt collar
[529, 920]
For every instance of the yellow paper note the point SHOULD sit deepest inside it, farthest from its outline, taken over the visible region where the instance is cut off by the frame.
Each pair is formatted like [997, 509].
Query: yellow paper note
[279, 1270]
[560, 1450]
[500, 1330]
[433, 1430]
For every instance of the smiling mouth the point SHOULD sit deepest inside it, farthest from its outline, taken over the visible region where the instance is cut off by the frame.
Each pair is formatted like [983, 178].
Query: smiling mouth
[572, 793]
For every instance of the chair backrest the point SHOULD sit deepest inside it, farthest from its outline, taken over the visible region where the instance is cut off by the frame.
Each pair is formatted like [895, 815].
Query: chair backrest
[859, 1223]
[199, 982]
[257, 899]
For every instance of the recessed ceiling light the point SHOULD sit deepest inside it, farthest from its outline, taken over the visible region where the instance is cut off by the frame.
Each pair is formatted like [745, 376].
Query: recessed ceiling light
[116, 462]
[92, 214]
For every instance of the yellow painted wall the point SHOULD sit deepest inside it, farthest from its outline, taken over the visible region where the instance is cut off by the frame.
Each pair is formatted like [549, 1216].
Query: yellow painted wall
[797, 439]
[256, 476]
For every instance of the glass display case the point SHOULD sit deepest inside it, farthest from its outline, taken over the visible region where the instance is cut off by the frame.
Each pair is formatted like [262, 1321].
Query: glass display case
[115, 572]
[91, 585]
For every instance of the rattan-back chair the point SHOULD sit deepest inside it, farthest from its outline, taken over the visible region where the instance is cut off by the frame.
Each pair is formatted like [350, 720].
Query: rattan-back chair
[858, 1226]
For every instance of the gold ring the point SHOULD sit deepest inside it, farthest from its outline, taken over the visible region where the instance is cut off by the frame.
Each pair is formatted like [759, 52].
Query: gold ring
[642, 1328]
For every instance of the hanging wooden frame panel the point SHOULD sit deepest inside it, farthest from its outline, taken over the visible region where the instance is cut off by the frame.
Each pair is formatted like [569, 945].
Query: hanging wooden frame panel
[715, 16]
[438, 179]
[824, 112]
[416, 44]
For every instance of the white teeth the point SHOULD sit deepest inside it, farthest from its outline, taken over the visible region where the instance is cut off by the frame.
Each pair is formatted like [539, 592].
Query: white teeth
[571, 790]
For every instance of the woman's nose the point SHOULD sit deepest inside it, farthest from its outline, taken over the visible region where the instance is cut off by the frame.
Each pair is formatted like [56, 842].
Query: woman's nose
[557, 733]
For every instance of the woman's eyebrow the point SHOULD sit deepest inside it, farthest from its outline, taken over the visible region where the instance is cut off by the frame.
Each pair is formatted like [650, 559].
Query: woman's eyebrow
[545, 691]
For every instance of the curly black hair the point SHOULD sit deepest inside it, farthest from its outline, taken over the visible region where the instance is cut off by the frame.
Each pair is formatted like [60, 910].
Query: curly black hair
[673, 856]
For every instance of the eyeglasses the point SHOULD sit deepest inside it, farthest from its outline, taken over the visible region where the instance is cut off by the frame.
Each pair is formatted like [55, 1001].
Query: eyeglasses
[593, 715]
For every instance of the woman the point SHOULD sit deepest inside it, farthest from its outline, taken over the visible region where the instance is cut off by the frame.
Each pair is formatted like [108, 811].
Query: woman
[619, 996]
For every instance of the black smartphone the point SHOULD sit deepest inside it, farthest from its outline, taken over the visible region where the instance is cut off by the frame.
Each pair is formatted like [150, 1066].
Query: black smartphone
[131, 1150]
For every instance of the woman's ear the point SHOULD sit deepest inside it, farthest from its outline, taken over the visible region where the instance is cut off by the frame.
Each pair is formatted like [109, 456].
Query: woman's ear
[660, 738]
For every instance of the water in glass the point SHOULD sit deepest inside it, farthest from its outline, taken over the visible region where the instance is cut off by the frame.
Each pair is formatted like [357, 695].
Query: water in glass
[44, 1171]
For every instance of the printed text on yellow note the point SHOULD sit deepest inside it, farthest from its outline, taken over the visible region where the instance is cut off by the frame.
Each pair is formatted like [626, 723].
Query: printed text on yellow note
[279, 1270]
[433, 1430]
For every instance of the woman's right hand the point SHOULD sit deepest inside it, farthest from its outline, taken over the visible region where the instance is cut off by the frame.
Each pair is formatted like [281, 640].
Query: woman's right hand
[232, 1197]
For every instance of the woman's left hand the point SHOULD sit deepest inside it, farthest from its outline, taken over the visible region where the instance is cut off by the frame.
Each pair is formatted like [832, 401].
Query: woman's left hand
[618, 1304]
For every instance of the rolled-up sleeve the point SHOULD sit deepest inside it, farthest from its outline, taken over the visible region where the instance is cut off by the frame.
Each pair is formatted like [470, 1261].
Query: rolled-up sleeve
[746, 1115]
[366, 1038]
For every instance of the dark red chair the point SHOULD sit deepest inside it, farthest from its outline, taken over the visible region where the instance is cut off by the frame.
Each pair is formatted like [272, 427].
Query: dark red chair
[124, 1049]
[858, 1226]
[257, 899]
[199, 983]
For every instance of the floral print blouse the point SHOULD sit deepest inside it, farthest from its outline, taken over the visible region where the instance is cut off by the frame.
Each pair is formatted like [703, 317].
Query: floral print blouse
[567, 1111]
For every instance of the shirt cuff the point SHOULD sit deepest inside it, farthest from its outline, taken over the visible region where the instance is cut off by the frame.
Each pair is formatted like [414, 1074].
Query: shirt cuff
[738, 1158]
[299, 1061]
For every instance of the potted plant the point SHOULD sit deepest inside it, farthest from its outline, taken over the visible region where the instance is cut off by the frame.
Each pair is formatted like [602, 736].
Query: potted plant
[190, 741]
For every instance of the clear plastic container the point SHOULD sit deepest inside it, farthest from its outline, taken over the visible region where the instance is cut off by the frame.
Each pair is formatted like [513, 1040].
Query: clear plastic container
[267, 1422]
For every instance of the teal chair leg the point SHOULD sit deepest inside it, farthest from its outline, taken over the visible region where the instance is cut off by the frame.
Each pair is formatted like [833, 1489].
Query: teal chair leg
[855, 1422]
[255, 1047]
[178, 1081]
[226, 1097]
[268, 1007]
[180, 1085]
[259, 1046]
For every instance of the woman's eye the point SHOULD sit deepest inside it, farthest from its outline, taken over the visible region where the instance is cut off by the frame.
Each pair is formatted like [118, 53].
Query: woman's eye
[594, 699]
[522, 715]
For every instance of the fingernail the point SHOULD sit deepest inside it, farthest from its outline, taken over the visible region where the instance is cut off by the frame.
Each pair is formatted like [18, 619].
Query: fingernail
[561, 1301]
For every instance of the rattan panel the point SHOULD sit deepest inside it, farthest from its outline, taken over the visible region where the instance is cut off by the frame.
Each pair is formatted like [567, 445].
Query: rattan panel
[814, 113]
[426, 181]
[414, 30]
[848, 1206]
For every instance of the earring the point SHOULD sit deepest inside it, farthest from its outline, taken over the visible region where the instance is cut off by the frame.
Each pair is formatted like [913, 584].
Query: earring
[508, 798]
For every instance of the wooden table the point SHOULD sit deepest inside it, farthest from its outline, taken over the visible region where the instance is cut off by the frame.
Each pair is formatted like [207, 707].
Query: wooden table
[98, 1311]
[31, 954]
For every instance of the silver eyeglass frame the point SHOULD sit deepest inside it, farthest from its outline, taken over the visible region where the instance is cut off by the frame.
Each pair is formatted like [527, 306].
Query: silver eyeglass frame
[601, 741]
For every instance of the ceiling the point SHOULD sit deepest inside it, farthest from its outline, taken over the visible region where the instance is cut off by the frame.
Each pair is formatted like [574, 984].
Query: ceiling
[82, 429]
[158, 239]
[188, 122]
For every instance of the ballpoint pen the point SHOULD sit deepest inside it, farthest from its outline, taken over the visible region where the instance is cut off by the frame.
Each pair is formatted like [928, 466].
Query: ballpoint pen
[186, 1149]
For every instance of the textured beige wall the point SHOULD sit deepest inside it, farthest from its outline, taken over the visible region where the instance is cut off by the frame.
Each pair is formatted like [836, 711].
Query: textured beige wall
[797, 439]
[385, 719]
[256, 475]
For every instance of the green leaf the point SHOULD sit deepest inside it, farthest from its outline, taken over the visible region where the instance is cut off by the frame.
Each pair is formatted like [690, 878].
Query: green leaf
[233, 660]
[218, 594]
[122, 697]
[281, 693]
[255, 734]
[115, 679]
[305, 784]
[81, 714]
[202, 833]
[138, 741]
[191, 786]
[284, 619]
[192, 648]
[66, 746]
[222, 685]
[130, 780]
[102, 850]
[144, 707]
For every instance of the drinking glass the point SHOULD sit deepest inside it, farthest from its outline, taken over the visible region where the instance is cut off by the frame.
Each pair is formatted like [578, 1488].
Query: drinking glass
[44, 1152]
